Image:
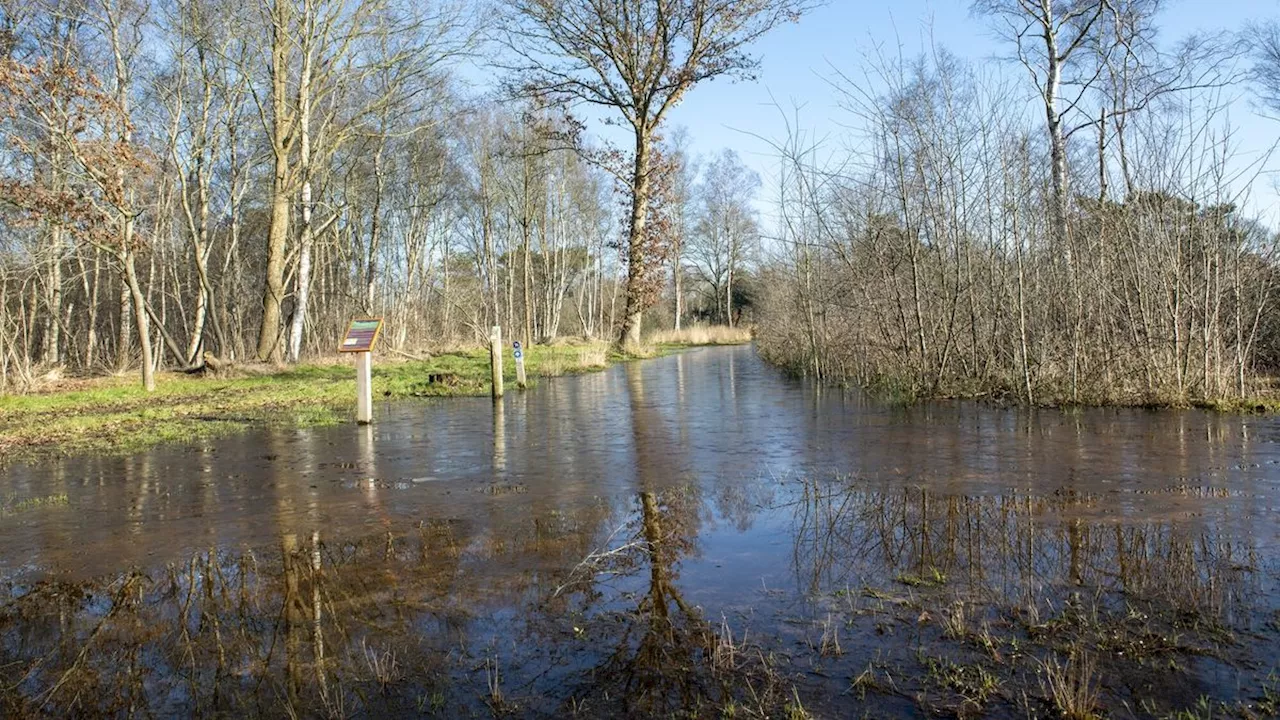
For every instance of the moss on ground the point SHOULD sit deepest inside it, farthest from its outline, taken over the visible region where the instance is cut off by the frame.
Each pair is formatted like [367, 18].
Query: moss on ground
[114, 414]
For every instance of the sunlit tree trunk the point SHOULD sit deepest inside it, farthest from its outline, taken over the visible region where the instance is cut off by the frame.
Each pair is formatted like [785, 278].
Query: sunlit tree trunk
[302, 296]
[637, 262]
[281, 139]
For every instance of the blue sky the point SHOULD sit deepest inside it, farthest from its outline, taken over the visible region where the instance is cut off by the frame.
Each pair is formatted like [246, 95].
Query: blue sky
[797, 59]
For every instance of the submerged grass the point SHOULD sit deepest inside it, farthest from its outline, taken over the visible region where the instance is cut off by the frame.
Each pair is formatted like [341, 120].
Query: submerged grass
[12, 505]
[114, 415]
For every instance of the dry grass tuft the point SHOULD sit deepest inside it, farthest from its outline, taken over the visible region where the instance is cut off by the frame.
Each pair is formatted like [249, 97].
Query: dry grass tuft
[595, 356]
[829, 646]
[703, 335]
[955, 622]
[725, 651]
[1072, 686]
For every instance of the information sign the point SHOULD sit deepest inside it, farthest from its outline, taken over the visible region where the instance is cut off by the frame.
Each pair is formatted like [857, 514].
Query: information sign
[361, 335]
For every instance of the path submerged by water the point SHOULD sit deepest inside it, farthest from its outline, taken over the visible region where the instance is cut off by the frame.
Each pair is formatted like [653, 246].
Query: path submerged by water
[694, 533]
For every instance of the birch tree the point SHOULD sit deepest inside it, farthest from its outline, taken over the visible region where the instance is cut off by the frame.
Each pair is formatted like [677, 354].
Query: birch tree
[1053, 41]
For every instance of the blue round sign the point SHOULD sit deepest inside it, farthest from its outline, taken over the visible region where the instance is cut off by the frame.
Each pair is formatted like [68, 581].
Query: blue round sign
[518, 354]
[516, 345]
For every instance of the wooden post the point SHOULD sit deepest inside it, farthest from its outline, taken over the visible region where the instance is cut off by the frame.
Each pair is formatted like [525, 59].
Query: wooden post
[364, 388]
[495, 359]
[518, 353]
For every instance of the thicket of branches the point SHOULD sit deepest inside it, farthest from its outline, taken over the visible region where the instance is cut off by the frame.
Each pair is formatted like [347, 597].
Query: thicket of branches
[190, 177]
[1092, 250]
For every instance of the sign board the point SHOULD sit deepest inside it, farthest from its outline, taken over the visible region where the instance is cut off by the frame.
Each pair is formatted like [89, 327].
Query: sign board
[519, 354]
[361, 335]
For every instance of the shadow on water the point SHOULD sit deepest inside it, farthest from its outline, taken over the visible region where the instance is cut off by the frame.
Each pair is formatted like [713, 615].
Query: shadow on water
[691, 536]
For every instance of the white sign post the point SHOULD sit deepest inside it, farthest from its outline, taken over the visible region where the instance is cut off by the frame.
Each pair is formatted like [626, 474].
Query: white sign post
[364, 388]
[360, 338]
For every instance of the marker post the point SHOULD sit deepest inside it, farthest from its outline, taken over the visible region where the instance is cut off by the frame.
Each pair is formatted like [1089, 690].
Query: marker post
[518, 352]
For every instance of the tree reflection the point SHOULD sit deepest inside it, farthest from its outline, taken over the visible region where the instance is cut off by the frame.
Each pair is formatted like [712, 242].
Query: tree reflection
[1011, 546]
[412, 622]
[370, 627]
[1012, 588]
[661, 661]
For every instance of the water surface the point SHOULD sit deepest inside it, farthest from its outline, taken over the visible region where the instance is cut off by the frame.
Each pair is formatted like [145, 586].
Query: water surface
[601, 544]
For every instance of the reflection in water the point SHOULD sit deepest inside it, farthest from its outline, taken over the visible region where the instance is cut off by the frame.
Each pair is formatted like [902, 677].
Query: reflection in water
[1014, 549]
[716, 418]
[368, 627]
[400, 625]
[367, 450]
[499, 436]
[1030, 579]
[604, 548]
[660, 647]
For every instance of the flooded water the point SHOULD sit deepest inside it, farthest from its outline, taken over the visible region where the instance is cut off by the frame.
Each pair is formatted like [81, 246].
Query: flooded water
[695, 534]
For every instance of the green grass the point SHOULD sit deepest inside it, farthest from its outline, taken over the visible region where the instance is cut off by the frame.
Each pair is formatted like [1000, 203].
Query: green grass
[1259, 405]
[13, 505]
[114, 415]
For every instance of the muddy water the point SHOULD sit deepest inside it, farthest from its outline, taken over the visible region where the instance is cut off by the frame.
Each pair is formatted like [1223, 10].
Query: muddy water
[691, 534]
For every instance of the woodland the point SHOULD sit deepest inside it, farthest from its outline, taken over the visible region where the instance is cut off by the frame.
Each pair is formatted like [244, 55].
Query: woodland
[1066, 221]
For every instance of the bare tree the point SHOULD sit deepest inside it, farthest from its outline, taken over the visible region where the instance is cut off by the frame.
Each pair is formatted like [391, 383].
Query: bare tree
[637, 58]
[192, 197]
[1054, 42]
[99, 199]
[1264, 41]
[932, 267]
[726, 228]
[686, 172]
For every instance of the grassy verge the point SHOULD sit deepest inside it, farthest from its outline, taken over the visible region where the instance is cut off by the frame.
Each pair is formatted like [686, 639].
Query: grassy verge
[114, 415]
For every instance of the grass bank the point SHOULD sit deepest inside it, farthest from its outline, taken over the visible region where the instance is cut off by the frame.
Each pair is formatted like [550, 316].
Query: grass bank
[114, 415]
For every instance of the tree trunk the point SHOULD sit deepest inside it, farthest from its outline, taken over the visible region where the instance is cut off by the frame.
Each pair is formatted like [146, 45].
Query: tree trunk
[269, 348]
[527, 289]
[273, 294]
[125, 338]
[677, 280]
[303, 284]
[91, 297]
[728, 294]
[375, 232]
[142, 323]
[526, 239]
[1057, 140]
[53, 327]
[636, 262]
